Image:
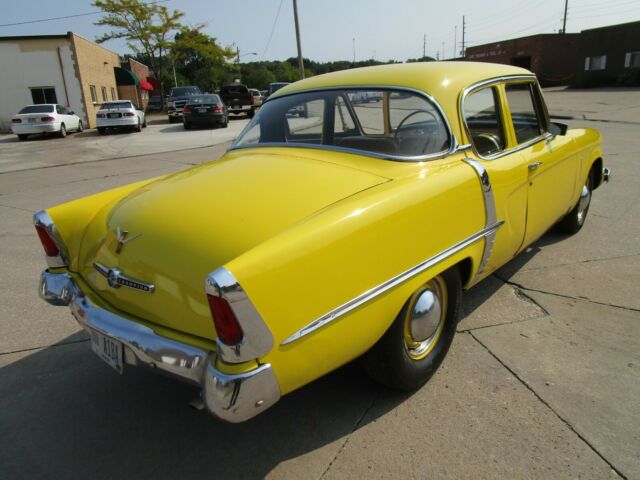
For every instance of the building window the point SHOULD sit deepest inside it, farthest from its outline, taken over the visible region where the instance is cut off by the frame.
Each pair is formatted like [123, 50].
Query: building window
[632, 60]
[113, 93]
[598, 62]
[43, 95]
[94, 95]
[104, 94]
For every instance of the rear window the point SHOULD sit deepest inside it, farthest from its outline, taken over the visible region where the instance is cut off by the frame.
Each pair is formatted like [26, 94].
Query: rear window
[184, 91]
[234, 89]
[115, 105]
[37, 109]
[388, 123]
[204, 99]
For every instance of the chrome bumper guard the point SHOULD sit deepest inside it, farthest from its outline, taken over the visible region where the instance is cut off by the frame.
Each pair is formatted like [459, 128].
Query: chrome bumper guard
[231, 397]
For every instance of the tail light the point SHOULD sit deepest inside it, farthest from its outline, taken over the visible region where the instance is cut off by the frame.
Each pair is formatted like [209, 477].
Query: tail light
[218, 108]
[186, 109]
[16, 120]
[50, 247]
[47, 119]
[251, 98]
[225, 322]
[129, 114]
[100, 115]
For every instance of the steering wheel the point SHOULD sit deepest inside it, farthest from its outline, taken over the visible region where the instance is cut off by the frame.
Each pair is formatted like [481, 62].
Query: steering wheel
[493, 139]
[426, 138]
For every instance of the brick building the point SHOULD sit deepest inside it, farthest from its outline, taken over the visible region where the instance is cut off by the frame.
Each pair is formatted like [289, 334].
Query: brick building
[550, 56]
[65, 69]
[133, 84]
[610, 55]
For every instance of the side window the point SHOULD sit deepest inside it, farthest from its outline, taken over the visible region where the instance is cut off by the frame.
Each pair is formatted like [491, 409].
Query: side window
[304, 122]
[482, 116]
[526, 121]
[61, 110]
[343, 122]
[368, 108]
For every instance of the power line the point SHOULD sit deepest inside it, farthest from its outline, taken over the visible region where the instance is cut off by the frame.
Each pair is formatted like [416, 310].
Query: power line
[273, 29]
[40, 20]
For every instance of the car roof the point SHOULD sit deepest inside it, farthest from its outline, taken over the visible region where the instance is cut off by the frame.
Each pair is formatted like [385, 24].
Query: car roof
[442, 80]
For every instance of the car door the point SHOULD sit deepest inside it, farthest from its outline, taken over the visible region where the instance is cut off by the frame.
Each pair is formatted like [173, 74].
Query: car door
[503, 171]
[551, 160]
[69, 121]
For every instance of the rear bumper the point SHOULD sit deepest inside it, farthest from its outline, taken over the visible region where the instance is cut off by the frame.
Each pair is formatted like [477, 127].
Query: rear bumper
[116, 122]
[231, 397]
[26, 129]
[204, 118]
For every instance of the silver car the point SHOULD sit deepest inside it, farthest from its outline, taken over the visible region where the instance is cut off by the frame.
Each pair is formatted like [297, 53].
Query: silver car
[120, 114]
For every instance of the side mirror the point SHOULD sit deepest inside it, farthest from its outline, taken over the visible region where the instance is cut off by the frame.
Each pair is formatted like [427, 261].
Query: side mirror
[556, 128]
[71, 112]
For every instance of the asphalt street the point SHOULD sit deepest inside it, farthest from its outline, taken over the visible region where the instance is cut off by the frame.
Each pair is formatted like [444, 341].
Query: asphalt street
[542, 381]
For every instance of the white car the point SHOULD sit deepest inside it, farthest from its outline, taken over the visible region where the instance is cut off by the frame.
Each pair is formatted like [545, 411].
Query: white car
[120, 114]
[257, 96]
[45, 118]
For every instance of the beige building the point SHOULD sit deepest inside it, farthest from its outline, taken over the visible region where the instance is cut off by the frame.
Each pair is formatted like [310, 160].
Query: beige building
[65, 69]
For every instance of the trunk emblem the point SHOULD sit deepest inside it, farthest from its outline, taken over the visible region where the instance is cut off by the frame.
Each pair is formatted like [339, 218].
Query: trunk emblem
[116, 279]
[122, 238]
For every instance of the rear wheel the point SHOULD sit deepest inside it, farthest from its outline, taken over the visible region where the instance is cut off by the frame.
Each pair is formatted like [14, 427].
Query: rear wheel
[101, 130]
[187, 126]
[225, 122]
[574, 220]
[23, 137]
[413, 348]
[63, 131]
[144, 122]
[138, 127]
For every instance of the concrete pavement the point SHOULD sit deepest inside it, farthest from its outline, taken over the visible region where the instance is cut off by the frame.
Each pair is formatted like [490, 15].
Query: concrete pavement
[542, 381]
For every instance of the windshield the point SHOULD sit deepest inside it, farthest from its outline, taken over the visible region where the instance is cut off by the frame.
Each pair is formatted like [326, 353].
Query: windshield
[37, 109]
[115, 105]
[204, 99]
[396, 124]
[184, 91]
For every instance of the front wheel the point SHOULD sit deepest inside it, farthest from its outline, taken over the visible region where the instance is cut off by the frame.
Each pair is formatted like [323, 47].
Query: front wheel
[574, 220]
[22, 137]
[413, 348]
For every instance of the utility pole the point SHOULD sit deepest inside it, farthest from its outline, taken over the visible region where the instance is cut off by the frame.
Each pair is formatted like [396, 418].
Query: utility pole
[464, 29]
[300, 61]
[564, 19]
[455, 40]
[354, 50]
[424, 46]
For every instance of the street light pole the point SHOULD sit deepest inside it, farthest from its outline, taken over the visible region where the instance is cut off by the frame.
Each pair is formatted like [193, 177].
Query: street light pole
[300, 60]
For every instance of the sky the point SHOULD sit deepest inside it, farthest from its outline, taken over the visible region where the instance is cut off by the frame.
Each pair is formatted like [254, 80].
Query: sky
[340, 29]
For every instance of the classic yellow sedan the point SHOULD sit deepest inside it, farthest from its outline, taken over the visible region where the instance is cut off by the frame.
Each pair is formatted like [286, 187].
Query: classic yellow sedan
[332, 229]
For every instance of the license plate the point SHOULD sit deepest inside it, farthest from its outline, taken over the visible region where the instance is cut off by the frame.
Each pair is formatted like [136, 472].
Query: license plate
[114, 115]
[108, 349]
[202, 110]
[32, 120]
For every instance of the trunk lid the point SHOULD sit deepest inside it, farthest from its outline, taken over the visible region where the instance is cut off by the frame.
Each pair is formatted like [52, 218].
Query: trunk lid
[184, 226]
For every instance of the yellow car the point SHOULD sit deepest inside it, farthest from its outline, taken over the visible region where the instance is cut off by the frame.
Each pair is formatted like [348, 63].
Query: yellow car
[332, 229]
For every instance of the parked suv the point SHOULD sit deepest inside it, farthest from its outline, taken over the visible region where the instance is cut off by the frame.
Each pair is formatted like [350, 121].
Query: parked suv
[177, 100]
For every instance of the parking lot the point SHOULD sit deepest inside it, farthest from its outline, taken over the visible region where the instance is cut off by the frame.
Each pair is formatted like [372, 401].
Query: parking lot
[542, 380]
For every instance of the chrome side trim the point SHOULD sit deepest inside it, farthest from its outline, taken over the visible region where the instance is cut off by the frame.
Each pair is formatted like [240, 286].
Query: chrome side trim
[389, 284]
[453, 142]
[230, 397]
[489, 210]
[42, 219]
[257, 340]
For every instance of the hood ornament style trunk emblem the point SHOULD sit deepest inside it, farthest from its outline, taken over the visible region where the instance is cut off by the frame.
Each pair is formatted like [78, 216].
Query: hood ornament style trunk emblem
[116, 279]
[122, 238]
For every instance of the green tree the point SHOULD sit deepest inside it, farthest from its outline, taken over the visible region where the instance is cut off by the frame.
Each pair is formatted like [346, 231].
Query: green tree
[147, 27]
[200, 59]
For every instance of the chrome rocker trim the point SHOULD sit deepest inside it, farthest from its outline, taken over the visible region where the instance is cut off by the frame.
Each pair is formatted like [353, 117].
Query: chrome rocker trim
[42, 219]
[234, 398]
[257, 339]
[389, 284]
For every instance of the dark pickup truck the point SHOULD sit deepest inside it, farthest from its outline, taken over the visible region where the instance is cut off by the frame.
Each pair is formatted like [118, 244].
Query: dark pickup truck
[178, 99]
[238, 99]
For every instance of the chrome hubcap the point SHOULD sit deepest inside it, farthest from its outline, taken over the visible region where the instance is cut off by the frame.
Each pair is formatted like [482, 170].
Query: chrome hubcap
[425, 318]
[583, 204]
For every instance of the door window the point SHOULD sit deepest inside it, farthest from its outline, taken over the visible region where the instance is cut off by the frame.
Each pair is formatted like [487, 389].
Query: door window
[304, 122]
[482, 116]
[61, 110]
[526, 120]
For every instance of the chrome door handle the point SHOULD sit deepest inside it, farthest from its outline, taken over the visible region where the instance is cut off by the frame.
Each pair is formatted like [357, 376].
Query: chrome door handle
[534, 165]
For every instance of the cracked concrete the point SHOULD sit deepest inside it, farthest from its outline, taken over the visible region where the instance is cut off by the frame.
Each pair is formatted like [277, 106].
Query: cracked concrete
[542, 381]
